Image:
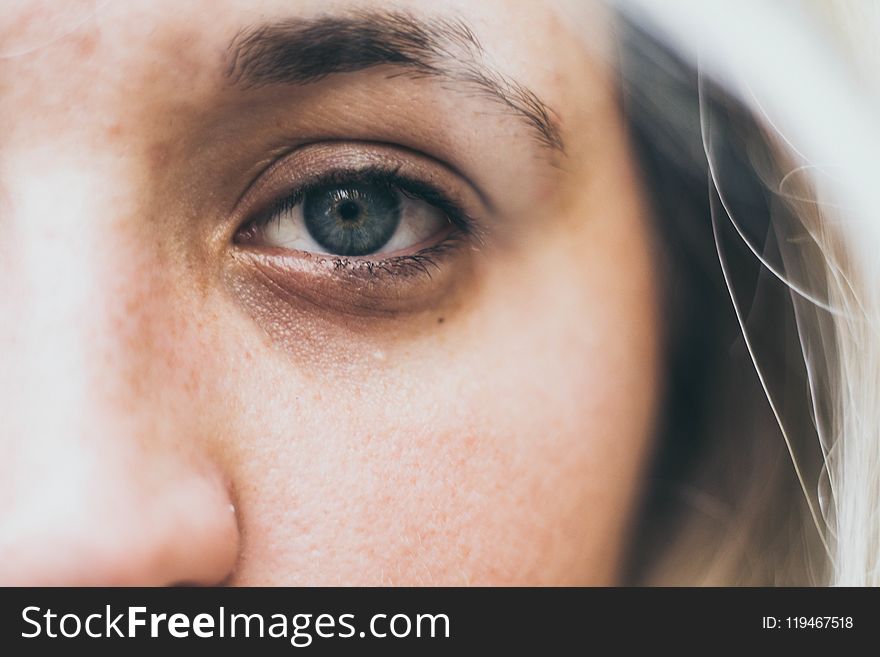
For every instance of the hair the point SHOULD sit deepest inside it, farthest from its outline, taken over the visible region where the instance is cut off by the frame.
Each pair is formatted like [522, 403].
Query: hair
[767, 469]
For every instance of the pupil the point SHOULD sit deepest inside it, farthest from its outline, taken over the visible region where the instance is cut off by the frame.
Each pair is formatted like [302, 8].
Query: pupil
[349, 210]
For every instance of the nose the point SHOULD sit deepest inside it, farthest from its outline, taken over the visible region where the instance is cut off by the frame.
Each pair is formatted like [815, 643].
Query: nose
[89, 521]
[107, 476]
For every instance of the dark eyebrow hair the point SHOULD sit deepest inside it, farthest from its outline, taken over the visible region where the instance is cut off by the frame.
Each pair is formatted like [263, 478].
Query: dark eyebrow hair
[300, 51]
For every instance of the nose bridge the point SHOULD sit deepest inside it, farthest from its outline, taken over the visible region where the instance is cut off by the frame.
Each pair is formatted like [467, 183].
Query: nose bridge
[65, 369]
[65, 308]
[96, 470]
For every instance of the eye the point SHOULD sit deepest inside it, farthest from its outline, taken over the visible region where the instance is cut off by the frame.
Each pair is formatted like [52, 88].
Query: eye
[357, 229]
[352, 215]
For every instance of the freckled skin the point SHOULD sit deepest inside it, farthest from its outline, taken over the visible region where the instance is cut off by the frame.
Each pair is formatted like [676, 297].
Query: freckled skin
[492, 429]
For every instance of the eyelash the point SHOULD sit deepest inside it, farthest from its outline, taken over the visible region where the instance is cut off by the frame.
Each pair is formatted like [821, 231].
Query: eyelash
[465, 229]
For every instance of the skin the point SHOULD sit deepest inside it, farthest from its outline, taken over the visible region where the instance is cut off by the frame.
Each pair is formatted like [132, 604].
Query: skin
[173, 408]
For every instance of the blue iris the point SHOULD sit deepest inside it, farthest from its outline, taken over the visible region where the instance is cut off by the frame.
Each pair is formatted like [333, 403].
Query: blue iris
[352, 220]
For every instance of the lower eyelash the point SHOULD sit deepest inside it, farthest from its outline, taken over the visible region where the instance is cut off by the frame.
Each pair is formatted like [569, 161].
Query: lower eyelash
[420, 263]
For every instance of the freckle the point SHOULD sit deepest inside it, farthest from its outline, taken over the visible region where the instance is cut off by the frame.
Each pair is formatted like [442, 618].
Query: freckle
[440, 320]
[114, 131]
[86, 45]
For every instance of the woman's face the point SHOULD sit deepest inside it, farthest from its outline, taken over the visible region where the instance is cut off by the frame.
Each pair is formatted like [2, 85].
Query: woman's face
[317, 293]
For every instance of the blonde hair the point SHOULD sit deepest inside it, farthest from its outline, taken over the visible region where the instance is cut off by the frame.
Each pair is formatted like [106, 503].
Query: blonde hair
[784, 487]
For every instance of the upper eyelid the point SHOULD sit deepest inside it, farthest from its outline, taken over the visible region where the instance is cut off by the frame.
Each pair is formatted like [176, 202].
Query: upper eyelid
[413, 189]
[255, 195]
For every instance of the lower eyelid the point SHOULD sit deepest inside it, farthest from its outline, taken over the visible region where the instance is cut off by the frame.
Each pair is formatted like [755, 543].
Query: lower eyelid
[369, 268]
[286, 285]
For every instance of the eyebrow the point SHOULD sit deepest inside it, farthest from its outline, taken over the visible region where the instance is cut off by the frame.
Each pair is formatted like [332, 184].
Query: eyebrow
[301, 51]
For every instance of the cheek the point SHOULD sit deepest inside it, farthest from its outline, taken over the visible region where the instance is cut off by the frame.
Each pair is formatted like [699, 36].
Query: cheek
[503, 449]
